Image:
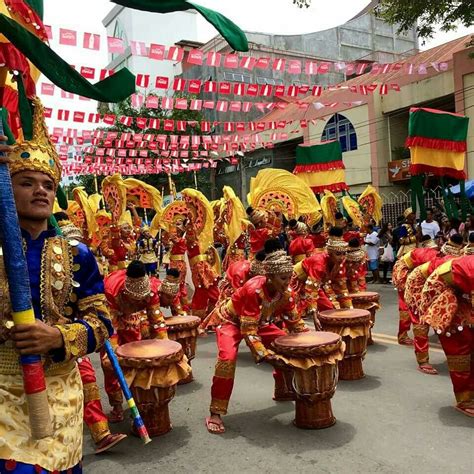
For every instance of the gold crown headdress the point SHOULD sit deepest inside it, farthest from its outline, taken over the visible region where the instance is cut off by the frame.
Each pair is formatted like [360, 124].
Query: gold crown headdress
[257, 267]
[277, 263]
[453, 249]
[355, 254]
[170, 286]
[429, 244]
[137, 288]
[70, 231]
[337, 245]
[39, 153]
[257, 216]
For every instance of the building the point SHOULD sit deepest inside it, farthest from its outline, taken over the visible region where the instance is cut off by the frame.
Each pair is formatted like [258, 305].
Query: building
[373, 132]
[135, 25]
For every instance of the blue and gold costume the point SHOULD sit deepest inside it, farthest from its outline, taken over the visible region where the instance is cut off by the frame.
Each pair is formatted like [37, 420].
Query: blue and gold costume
[147, 249]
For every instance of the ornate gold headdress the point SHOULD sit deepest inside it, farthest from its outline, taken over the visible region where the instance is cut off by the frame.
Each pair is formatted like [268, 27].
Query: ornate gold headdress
[137, 288]
[355, 254]
[70, 231]
[39, 153]
[429, 244]
[300, 228]
[257, 216]
[170, 286]
[451, 248]
[337, 245]
[277, 263]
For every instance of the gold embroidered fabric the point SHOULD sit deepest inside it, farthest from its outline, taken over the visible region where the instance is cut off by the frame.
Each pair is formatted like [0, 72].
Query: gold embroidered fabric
[219, 407]
[91, 392]
[225, 369]
[63, 449]
[99, 430]
[459, 363]
[75, 340]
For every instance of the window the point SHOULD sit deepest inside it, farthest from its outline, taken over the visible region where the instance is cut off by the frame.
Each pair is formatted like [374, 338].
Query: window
[233, 77]
[340, 128]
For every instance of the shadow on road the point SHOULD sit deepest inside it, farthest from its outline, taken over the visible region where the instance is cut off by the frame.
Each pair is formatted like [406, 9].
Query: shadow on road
[450, 417]
[369, 382]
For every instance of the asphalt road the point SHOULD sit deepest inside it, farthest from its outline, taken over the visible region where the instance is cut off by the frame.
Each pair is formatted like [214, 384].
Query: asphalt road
[395, 420]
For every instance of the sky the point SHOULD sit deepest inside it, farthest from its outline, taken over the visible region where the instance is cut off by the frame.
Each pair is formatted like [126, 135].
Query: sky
[269, 16]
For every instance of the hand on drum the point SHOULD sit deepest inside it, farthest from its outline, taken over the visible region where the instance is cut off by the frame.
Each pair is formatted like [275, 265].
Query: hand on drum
[314, 315]
[274, 360]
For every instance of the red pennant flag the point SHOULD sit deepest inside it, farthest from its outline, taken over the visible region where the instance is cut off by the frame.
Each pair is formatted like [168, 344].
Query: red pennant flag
[248, 62]
[138, 48]
[104, 73]
[167, 103]
[181, 104]
[205, 127]
[93, 118]
[252, 90]
[162, 82]
[78, 117]
[91, 41]
[195, 56]
[151, 102]
[213, 59]
[395, 87]
[266, 90]
[263, 63]
[222, 105]
[67, 37]
[47, 89]
[58, 131]
[181, 125]
[235, 106]
[383, 89]
[210, 86]
[422, 69]
[294, 67]
[168, 125]
[304, 89]
[175, 54]
[109, 119]
[208, 104]
[143, 80]
[195, 104]
[67, 95]
[279, 91]
[279, 64]
[311, 67]
[137, 100]
[224, 88]
[87, 72]
[246, 106]
[194, 86]
[239, 88]
[317, 91]
[49, 31]
[179, 84]
[48, 112]
[115, 45]
[228, 126]
[293, 91]
[141, 122]
[157, 52]
[231, 61]
[324, 68]
[63, 114]
[127, 121]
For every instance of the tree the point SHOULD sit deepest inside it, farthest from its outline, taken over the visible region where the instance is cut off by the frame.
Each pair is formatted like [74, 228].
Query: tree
[426, 15]
[159, 181]
[302, 3]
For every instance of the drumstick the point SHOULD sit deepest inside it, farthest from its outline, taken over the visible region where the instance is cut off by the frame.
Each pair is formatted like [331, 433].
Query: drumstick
[16, 268]
[137, 419]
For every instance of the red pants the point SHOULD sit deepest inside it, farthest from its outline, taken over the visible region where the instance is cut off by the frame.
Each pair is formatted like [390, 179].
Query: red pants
[94, 416]
[421, 341]
[228, 340]
[459, 350]
[203, 299]
[111, 383]
[404, 324]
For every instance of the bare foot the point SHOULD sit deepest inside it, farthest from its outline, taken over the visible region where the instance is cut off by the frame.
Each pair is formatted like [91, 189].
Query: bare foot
[214, 424]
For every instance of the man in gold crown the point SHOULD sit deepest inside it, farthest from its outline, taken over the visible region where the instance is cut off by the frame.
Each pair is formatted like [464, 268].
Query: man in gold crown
[72, 318]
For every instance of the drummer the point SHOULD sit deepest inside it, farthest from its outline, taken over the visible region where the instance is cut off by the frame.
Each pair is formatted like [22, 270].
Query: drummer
[169, 292]
[320, 280]
[251, 314]
[301, 246]
[132, 295]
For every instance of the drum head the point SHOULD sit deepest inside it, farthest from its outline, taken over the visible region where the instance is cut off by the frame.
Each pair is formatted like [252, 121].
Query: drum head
[364, 295]
[149, 349]
[307, 339]
[183, 321]
[349, 317]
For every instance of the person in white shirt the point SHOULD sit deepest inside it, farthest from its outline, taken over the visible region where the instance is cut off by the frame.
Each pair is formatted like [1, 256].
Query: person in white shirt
[429, 226]
[372, 243]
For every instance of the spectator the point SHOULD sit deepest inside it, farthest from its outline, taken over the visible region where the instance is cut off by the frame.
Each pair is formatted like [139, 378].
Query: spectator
[467, 228]
[396, 234]
[372, 242]
[429, 226]
[386, 240]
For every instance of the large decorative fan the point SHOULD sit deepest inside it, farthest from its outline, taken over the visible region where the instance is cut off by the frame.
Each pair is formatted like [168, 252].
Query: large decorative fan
[115, 196]
[234, 215]
[142, 194]
[371, 204]
[81, 198]
[352, 208]
[173, 214]
[329, 207]
[202, 216]
[281, 191]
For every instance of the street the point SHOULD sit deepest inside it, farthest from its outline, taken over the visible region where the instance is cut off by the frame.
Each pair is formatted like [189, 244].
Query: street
[395, 420]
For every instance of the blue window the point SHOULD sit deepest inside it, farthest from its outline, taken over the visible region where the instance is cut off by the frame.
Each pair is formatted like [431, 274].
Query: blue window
[340, 128]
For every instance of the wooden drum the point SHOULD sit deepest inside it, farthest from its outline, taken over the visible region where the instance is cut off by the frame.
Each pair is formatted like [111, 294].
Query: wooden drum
[353, 326]
[152, 369]
[184, 329]
[313, 357]
[369, 300]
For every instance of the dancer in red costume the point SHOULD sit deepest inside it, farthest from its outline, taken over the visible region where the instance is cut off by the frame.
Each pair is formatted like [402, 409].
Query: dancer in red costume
[132, 295]
[251, 314]
[320, 280]
[319, 237]
[205, 279]
[446, 305]
[356, 266]
[425, 265]
[301, 246]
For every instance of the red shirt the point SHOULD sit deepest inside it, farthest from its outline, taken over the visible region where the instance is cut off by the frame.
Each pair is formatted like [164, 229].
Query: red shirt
[301, 245]
[462, 270]
[238, 273]
[258, 237]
